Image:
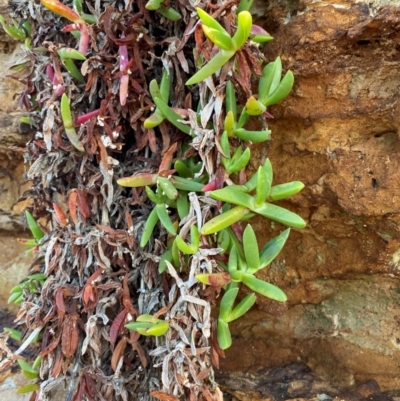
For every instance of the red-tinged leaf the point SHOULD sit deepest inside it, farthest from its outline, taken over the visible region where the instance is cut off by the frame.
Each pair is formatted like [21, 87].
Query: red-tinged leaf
[211, 186]
[72, 203]
[70, 336]
[60, 216]
[118, 353]
[214, 279]
[167, 158]
[138, 180]
[61, 9]
[160, 395]
[116, 325]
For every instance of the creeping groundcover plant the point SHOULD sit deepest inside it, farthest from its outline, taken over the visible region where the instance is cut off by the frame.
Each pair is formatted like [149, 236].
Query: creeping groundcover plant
[140, 201]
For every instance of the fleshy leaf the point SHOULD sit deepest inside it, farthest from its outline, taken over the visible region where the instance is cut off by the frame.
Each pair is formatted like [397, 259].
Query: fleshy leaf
[272, 249]
[282, 90]
[254, 107]
[232, 195]
[242, 307]
[138, 180]
[34, 226]
[214, 279]
[216, 63]
[280, 215]
[223, 334]
[222, 40]
[262, 287]
[263, 186]
[227, 301]
[253, 136]
[250, 247]
[224, 220]
[283, 191]
[244, 24]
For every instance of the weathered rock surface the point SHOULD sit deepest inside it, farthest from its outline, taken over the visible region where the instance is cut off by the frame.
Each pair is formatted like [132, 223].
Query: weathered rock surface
[13, 260]
[338, 132]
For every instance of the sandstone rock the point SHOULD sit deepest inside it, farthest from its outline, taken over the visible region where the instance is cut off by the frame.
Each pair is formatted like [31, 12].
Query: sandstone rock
[338, 133]
[13, 260]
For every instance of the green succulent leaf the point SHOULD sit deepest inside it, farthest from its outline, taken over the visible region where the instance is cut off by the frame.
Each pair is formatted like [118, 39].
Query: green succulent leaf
[182, 169]
[68, 124]
[232, 195]
[182, 204]
[27, 368]
[223, 334]
[272, 249]
[15, 32]
[244, 22]
[254, 107]
[242, 307]
[241, 163]
[224, 142]
[264, 288]
[263, 186]
[282, 90]
[221, 39]
[264, 85]
[28, 388]
[69, 53]
[226, 305]
[283, 191]
[250, 247]
[36, 231]
[166, 256]
[165, 219]
[280, 215]
[233, 259]
[261, 38]
[170, 191]
[224, 220]
[149, 227]
[167, 112]
[210, 22]
[14, 334]
[229, 123]
[158, 329]
[216, 63]
[154, 197]
[153, 4]
[138, 325]
[244, 5]
[253, 136]
[71, 67]
[170, 13]
[38, 361]
[154, 120]
[186, 184]
[230, 100]
[157, 117]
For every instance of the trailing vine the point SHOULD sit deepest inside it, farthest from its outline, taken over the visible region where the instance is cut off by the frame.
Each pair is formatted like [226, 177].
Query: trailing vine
[140, 197]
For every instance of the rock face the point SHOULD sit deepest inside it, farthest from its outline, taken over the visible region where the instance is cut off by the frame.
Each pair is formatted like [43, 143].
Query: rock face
[13, 261]
[338, 132]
